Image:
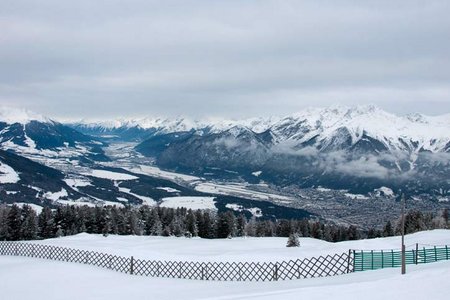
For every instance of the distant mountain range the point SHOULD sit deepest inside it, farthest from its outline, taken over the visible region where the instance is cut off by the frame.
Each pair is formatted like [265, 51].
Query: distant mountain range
[322, 125]
[45, 162]
[357, 149]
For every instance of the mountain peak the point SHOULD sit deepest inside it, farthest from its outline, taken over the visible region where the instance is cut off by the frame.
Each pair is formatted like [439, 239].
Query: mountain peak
[22, 116]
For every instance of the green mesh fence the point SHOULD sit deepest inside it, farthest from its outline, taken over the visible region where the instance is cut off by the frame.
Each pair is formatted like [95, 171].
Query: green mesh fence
[372, 260]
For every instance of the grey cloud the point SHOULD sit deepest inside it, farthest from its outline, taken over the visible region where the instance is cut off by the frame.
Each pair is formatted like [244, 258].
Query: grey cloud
[207, 58]
[289, 149]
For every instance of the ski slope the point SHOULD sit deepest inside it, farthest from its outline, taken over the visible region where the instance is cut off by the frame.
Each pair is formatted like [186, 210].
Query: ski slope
[236, 249]
[30, 278]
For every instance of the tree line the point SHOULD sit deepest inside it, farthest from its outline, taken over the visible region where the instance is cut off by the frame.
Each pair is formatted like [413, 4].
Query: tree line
[24, 223]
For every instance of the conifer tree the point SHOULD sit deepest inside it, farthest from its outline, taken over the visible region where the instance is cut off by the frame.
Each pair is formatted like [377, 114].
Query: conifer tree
[46, 224]
[14, 223]
[388, 230]
[29, 228]
[293, 240]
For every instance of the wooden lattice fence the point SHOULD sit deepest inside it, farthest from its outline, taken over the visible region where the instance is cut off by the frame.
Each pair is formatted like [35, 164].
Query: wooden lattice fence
[322, 266]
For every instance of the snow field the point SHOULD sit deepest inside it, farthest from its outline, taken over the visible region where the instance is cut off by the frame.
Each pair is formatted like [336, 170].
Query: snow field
[31, 278]
[7, 174]
[110, 175]
[189, 202]
[236, 249]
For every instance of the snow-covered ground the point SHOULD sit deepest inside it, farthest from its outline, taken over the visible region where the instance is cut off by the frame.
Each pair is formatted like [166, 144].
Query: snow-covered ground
[7, 174]
[30, 278]
[193, 203]
[37, 208]
[235, 189]
[236, 249]
[111, 175]
[255, 211]
[145, 200]
[156, 172]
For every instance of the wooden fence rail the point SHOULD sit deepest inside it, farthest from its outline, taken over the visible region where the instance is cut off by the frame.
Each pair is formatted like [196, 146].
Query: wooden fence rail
[329, 265]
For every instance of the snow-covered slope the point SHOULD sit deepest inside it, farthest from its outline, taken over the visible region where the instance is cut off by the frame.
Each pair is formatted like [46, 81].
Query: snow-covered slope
[50, 280]
[139, 129]
[23, 278]
[11, 115]
[28, 133]
[320, 126]
[323, 126]
[359, 148]
[236, 249]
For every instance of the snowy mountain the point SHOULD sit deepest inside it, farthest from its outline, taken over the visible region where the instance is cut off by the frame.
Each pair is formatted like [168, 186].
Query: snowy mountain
[327, 128]
[140, 129]
[336, 127]
[28, 133]
[359, 148]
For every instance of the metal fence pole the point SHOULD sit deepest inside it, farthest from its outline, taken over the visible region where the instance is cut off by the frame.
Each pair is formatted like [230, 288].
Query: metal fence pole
[417, 253]
[424, 255]
[362, 260]
[372, 259]
[392, 258]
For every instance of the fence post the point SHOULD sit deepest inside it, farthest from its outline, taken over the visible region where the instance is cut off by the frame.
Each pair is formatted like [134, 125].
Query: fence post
[275, 274]
[32, 250]
[362, 260]
[446, 252]
[239, 271]
[435, 253]
[348, 260]
[371, 252]
[354, 258]
[417, 254]
[392, 258]
[16, 249]
[382, 259]
[132, 266]
[424, 255]
[203, 272]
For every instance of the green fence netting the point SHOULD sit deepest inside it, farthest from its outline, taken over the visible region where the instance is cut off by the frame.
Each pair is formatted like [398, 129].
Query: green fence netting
[371, 260]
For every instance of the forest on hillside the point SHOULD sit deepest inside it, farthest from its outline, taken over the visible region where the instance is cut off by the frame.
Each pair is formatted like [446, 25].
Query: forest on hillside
[24, 223]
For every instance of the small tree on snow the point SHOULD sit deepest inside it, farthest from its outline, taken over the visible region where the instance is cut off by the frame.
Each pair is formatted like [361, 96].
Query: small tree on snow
[293, 240]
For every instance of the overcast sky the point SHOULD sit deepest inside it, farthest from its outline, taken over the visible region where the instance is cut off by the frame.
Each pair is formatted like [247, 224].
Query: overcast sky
[104, 59]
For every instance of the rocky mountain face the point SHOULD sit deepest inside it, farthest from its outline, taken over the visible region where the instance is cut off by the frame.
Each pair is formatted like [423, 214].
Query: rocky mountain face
[357, 148]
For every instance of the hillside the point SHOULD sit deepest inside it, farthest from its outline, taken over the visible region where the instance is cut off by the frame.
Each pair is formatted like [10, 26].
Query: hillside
[50, 279]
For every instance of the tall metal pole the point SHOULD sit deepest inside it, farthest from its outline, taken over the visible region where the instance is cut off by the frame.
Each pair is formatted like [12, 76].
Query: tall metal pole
[403, 236]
